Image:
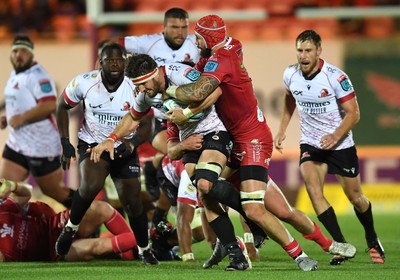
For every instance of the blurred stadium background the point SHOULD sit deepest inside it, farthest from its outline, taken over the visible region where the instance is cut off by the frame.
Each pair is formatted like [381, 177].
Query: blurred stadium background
[360, 36]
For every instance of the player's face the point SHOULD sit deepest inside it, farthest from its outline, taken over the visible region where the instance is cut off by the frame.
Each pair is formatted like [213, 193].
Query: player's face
[113, 64]
[21, 59]
[176, 31]
[308, 57]
[201, 45]
[150, 88]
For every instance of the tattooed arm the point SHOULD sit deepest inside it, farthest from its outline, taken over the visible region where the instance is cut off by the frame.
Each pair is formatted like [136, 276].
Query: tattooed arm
[194, 92]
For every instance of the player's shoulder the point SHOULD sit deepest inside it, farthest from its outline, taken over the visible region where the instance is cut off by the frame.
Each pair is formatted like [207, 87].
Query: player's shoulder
[92, 75]
[87, 78]
[191, 38]
[332, 71]
[148, 39]
[291, 69]
[37, 71]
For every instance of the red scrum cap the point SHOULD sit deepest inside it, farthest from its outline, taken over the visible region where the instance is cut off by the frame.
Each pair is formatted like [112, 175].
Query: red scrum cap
[212, 29]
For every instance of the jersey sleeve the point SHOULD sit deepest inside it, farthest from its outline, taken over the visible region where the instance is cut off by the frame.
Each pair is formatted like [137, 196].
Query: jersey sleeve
[43, 86]
[172, 132]
[343, 87]
[9, 205]
[73, 93]
[200, 65]
[219, 66]
[182, 74]
[138, 44]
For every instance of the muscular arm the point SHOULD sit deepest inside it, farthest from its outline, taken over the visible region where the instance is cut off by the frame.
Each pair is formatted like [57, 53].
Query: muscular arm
[209, 101]
[62, 116]
[176, 149]
[197, 91]
[127, 125]
[41, 111]
[289, 105]
[20, 192]
[177, 116]
[350, 119]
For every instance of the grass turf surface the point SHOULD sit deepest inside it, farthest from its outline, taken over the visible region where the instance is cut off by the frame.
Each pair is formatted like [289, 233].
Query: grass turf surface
[274, 264]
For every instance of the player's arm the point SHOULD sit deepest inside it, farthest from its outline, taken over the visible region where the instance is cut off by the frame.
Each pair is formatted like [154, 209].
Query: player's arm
[179, 116]
[289, 105]
[20, 192]
[176, 149]
[62, 117]
[142, 134]
[41, 111]
[126, 126]
[194, 92]
[351, 118]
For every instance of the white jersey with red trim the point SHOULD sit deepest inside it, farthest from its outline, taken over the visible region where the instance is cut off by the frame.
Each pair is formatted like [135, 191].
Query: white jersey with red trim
[23, 92]
[318, 101]
[180, 74]
[174, 171]
[103, 110]
[155, 46]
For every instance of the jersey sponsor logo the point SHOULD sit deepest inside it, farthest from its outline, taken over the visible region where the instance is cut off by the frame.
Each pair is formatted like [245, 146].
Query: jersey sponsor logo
[345, 83]
[193, 75]
[211, 66]
[330, 69]
[45, 85]
[297, 92]
[174, 67]
[159, 60]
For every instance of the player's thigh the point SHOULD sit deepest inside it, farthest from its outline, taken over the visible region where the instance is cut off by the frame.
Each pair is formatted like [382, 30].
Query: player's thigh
[160, 142]
[275, 201]
[12, 171]
[314, 174]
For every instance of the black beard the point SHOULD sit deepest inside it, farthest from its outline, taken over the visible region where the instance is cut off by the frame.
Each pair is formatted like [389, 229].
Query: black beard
[22, 69]
[205, 53]
[172, 45]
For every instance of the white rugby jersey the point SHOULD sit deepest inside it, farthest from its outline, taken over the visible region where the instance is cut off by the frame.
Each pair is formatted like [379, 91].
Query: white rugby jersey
[155, 46]
[318, 102]
[103, 110]
[174, 171]
[22, 92]
[180, 74]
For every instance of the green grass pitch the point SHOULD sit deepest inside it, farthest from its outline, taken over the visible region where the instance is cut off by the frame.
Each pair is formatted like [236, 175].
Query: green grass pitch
[274, 264]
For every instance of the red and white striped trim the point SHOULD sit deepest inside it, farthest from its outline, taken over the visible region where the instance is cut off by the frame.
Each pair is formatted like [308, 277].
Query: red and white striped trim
[144, 78]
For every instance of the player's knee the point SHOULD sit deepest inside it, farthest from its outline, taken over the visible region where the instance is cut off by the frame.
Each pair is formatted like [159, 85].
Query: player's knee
[253, 203]
[206, 175]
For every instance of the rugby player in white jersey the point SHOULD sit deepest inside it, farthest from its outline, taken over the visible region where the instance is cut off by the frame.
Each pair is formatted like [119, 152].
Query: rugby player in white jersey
[152, 82]
[174, 44]
[33, 145]
[106, 95]
[327, 106]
